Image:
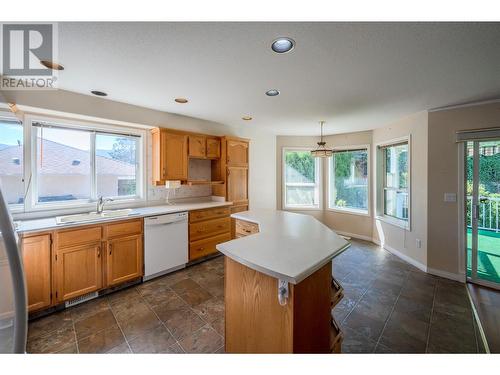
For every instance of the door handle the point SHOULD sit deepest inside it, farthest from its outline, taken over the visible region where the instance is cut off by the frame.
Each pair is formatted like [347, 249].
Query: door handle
[110, 249]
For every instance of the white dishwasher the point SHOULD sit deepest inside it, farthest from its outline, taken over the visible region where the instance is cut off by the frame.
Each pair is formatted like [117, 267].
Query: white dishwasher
[165, 244]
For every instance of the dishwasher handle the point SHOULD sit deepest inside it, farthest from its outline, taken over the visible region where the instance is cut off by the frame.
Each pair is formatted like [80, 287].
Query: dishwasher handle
[165, 219]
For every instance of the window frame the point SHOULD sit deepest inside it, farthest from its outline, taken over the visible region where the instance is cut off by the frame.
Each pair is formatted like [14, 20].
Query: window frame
[352, 211]
[381, 178]
[31, 202]
[19, 207]
[317, 183]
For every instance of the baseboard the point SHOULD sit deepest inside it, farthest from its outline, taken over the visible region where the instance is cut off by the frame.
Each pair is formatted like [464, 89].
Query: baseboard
[406, 258]
[354, 235]
[447, 275]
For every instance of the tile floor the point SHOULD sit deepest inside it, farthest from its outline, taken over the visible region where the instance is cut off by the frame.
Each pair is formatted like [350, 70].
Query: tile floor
[389, 307]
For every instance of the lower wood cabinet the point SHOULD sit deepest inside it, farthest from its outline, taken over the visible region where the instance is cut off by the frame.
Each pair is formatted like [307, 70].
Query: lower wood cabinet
[124, 259]
[36, 252]
[78, 270]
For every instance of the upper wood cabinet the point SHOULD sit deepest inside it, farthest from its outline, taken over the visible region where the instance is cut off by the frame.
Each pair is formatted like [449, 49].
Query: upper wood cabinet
[124, 259]
[237, 152]
[213, 148]
[197, 146]
[170, 156]
[36, 252]
[78, 270]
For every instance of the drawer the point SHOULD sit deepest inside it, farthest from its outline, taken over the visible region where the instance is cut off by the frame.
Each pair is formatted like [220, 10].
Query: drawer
[201, 248]
[78, 236]
[211, 213]
[244, 228]
[235, 209]
[209, 228]
[123, 228]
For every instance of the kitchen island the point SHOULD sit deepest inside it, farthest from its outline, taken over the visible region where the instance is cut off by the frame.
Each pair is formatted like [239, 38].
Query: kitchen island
[278, 283]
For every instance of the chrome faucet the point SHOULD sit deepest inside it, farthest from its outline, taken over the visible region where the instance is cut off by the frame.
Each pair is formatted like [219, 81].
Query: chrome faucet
[101, 202]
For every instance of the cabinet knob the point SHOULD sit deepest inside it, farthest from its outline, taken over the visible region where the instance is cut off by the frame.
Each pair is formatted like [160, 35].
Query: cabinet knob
[98, 252]
[110, 249]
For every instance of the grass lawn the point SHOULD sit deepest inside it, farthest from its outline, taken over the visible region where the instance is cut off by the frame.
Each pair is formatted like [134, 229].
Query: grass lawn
[488, 264]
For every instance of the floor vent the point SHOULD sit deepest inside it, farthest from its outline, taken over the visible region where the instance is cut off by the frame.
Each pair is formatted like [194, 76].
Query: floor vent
[81, 299]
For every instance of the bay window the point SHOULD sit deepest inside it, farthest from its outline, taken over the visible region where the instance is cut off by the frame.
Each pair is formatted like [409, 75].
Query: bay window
[301, 179]
[348, 180]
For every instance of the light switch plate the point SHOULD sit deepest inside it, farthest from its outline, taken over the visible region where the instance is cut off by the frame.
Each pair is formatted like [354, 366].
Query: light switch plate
[450, 197]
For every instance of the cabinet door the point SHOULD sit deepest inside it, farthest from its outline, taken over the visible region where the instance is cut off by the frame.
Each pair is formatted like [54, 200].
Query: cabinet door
[237, 153]
[124, 259]
[213, 148]
[174, 157]
[37, 270]
[197, 146]
[237, 185]
[78, 270]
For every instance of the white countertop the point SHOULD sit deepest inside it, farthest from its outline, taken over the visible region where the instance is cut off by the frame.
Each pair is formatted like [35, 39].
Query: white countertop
[49, 223]
[289, 246]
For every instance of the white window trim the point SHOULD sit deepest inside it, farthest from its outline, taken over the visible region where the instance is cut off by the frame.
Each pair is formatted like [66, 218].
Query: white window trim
[352, 211]
[318, 182]
[30, 204]
[379, 181]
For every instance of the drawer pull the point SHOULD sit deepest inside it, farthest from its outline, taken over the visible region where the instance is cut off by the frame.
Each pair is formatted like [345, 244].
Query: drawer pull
[201, 249]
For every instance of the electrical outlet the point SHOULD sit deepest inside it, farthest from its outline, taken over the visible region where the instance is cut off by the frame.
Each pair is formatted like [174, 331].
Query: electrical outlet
[450, 197]
[419, 243]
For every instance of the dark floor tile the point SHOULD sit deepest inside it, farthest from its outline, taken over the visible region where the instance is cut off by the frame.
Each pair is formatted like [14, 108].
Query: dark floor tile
[376, 304]
[205, 340]
[456, 312]
[50, 323]
[158, 296]
[382, 349]
[184, 286]
[414, 308]
[421, 293]
[123, 295]
[102, 341]
[387, 286]
[343, 308]
[215, 287]
[89, 308]
[156, 340]
[139, 323]
[94, 324]
[448, 335]
[120, 349]
[355, 342]
[369, 326]
[205, 277]
[195, 296]
[126, 309]
[167, 309]
[183, 323]
[70, 349]
[53, 341]
[211, 309]
[405, 334]
[219, 326]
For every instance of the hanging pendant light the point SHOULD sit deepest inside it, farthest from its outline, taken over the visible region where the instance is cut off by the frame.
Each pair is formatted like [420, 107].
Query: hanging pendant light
[322, 151]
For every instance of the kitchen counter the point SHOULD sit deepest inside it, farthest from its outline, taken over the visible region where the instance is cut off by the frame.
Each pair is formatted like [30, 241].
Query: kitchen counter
[49, 223]
[289, 246]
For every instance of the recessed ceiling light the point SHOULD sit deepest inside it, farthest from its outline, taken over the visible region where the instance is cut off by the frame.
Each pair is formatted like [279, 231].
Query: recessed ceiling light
[181, 100]
[99, 93]
[272, 92]
[246, 118]
[283, 45]
[51, 65]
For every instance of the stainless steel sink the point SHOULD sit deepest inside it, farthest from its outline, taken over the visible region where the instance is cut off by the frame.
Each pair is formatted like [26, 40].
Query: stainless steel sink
[93, 216]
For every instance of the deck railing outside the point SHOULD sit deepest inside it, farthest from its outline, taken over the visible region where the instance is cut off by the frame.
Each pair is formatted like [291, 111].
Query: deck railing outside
[489, 211]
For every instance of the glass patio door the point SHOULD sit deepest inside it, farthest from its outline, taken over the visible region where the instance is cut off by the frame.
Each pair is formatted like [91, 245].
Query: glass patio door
[483, 211]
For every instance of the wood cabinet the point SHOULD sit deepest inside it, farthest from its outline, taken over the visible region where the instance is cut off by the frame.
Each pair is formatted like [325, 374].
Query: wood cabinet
[197, 146]
[36, 255]
[242, 228]
[90, 258]
[213, 148]
[78, 270]
[170, 156]
[124, 259]
[237, 185]
[237, 152]
[207, 228]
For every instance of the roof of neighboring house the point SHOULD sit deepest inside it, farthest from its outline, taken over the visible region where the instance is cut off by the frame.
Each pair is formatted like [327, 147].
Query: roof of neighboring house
[63, 160]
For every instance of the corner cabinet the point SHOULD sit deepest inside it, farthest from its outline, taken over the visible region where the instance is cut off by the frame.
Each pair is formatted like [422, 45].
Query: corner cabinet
[170, 156]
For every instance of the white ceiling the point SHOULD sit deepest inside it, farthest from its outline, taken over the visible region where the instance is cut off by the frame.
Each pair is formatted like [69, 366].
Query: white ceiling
[356, 76]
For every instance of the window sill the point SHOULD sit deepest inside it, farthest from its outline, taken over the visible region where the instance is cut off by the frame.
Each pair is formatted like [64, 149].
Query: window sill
[395, 222]
[300, 208]
[350, 211]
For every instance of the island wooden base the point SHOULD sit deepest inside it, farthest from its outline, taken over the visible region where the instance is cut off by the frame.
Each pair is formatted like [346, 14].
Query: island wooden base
[257, 323]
